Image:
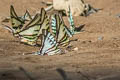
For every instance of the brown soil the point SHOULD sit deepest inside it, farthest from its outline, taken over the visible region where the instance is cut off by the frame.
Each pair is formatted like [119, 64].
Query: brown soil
[98, 46]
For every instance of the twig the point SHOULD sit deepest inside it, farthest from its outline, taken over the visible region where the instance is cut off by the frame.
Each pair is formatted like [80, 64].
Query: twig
[49, 8]
[62, 73]
[26, 73]
[84, 75]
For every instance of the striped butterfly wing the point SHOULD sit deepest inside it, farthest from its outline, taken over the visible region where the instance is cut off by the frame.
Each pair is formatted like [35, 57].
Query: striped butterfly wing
[69, 33]
[27, 16]
[44, 21]
[32, 31]
[41, 19]
[48, 44]
[29, 35]
[73, 29]
[61, 34]
[71, 21]
[38, 19]
[53, 24]
[34, 21]
[16, 22]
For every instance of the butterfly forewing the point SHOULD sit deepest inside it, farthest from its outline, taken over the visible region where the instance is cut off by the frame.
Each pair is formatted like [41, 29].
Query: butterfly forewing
[27, 16]
[43, 15]
[30, 35]
[33, 22]
[73, 29]
[61, 34]
[70, 19]
[16, 22]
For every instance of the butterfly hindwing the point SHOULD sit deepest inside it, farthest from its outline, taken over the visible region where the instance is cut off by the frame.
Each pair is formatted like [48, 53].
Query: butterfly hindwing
[48, 44]
[34, 21]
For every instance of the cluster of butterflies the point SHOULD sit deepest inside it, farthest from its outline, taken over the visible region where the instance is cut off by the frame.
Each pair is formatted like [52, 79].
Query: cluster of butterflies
[52, 34]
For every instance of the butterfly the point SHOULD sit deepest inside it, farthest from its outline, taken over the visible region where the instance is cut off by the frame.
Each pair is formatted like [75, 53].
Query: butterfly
[73, 29]
[30, 33]
[61, 35]
[49, 45]
[53, 26]
[17, 22]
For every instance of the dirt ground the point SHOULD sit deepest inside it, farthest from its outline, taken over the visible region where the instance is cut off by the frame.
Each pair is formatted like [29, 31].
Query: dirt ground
[97, 57]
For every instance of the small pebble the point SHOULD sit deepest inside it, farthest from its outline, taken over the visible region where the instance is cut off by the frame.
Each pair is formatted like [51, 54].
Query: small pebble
[76, 49]
[118, 15]
[23, 54]
[100, 38]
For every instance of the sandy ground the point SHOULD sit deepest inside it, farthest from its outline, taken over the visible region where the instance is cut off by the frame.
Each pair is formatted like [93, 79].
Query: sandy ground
[97, 57]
